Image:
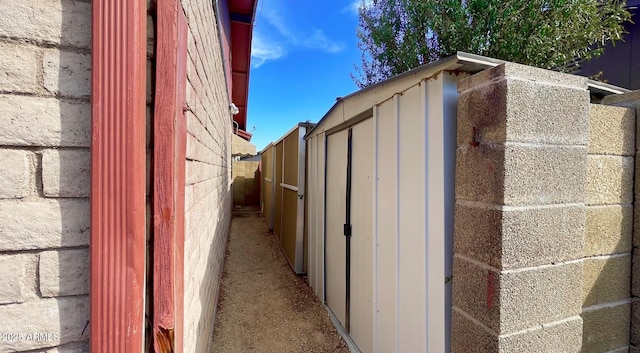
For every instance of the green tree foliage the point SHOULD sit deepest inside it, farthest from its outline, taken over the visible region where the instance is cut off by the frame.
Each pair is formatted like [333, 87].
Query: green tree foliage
[399, 35]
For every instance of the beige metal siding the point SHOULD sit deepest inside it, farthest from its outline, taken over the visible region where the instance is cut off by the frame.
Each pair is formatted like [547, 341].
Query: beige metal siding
[315, 222]
[288, 231]
[277, 211]
[362, 243]
[403, 162]
[287, 163]
[411, 245]
[386, 225]
[267, 185]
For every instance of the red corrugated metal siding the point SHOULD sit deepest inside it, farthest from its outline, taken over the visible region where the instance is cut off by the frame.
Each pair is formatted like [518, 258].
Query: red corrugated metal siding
[117, 243]
[170, 138]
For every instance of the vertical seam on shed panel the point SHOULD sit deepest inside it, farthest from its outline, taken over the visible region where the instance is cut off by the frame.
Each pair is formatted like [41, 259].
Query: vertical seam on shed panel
[375, 228]
[425, 116]
[397, 306]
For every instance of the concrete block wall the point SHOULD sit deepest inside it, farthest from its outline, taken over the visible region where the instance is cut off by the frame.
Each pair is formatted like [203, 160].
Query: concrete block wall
[521, 214]
[631, 101]
[45, 126]
[246, 183]
[606, 305]
[208, 195]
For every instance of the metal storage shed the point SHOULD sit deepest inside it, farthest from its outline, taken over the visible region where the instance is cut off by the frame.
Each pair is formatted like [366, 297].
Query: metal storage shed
[380, 198]
[283, 186]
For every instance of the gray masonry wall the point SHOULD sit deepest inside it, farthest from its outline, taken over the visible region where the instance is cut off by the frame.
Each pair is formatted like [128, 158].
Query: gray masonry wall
[544, 216]
[631, 100]
[45, 123]
[208, 194]
[606, 299]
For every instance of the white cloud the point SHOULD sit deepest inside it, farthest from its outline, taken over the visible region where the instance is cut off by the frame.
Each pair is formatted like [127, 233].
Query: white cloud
[356, 5]
[318, 40]
[263, 50]
[274, 36]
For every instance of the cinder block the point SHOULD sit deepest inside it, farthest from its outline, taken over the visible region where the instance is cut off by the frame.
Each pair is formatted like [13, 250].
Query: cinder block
[17, 68]
[46, 224]
[609, 180]
[18, 279]
[521, 174]
[65, 22]
[606, 280]
[611, 130]
[508, 237]
[67, 74]
[197, 172]
[15, 178]
[62, 320]
[609, 230]
[523, 72]
[66, 173]
[469, 337]
[515, 300]
[48, 122]
[544, 175]
[524, 111]
[606, 329]
[480, 173]
[558, 337]
[64, 272]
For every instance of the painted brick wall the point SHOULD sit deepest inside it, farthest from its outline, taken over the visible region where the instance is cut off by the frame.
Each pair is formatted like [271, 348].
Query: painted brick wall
[208, 194]
[45, 122]
[608, 237]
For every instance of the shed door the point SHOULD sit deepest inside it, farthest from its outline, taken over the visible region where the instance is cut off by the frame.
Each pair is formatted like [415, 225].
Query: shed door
[335, 248]
[349, 259]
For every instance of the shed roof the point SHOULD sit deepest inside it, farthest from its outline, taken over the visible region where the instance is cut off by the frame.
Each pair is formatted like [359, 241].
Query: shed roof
[360, 102]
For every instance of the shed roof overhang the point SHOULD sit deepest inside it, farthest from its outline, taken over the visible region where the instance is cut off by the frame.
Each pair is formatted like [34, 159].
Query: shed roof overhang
[359, 103]
[241, 16]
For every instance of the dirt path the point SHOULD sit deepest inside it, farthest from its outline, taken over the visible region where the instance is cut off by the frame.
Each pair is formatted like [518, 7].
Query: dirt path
[263, 306]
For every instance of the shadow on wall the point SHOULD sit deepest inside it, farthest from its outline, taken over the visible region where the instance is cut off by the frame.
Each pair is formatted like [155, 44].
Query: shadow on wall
[66, 172]
[246, 183]
[608, 242]
[209, 290]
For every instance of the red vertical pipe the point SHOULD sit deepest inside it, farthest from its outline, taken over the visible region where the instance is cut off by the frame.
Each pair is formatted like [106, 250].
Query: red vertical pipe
[170, 135]
[117, 246]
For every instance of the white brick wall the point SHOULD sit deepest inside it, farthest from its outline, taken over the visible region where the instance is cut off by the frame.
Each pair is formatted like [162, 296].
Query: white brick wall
[208, 172]
[45, 134]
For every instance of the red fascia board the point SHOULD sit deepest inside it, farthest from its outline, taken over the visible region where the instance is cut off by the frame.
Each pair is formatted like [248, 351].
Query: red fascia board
[245, 135]
[246, 7]
[241, 13]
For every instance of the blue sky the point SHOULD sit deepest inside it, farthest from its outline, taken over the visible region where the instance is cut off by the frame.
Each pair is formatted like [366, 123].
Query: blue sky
[303, 53]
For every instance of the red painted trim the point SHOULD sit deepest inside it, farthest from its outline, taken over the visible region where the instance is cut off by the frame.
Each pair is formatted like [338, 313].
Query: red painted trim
[181, 157]
[245, 135]
[170, 133]
[117, 246]
[241, 34]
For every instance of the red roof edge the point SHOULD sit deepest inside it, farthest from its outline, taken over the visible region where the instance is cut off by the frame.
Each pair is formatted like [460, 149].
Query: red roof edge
[241, 15]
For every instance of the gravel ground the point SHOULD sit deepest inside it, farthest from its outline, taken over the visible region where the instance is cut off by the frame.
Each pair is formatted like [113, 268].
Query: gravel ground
[263, 305]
